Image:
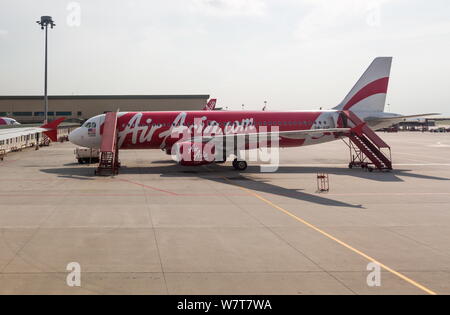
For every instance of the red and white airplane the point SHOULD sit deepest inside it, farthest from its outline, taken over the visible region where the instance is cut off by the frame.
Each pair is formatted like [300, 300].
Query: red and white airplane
[8, 122]
[163, 130]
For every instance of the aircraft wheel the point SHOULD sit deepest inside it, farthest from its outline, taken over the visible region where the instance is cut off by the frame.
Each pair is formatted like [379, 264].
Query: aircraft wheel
[240, 165]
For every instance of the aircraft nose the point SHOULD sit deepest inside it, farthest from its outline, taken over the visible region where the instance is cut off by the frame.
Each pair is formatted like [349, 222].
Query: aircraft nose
[76, 137]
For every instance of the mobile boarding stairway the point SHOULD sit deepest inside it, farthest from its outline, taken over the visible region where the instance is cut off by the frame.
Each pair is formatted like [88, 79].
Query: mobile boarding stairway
[367, 149]
[109, 151]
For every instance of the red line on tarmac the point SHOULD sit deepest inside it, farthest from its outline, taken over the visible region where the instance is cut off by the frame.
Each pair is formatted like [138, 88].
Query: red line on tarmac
[20, 180]
[77, 195]
[177, 194]
[150, 187]
[391, 194]
[211, 195]
[122, 195]
[47, 179]
[6, 162]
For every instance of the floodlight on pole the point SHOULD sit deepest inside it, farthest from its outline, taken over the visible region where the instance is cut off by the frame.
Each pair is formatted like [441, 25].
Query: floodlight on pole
[45, 22]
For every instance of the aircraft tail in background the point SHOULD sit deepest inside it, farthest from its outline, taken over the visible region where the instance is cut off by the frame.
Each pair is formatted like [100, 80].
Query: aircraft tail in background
[52, 129]
[211, 105]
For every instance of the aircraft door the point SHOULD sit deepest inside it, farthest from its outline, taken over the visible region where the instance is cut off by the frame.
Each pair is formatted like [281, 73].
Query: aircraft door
[340, 120]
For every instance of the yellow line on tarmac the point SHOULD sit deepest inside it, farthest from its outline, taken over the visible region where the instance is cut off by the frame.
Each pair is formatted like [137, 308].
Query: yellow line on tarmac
[398, 274]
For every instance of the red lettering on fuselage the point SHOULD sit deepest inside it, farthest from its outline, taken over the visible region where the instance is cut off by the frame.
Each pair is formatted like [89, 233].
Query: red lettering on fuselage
[154, 130]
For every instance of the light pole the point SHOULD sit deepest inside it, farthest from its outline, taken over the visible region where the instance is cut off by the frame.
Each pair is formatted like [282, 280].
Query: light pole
[45, 22]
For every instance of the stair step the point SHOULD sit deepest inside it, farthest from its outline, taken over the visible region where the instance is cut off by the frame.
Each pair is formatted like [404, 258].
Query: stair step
[372, 153]
[366, 129]
[369, 143]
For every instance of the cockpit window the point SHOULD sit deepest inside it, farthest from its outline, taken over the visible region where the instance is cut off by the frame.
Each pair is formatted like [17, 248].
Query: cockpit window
[90, 125]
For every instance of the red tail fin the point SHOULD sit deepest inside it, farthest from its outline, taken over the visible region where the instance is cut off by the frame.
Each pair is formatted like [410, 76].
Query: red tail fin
[211, 105]
[52, 129]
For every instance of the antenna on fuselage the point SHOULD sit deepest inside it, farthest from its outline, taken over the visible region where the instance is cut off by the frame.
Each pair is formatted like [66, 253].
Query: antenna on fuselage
[265, 106]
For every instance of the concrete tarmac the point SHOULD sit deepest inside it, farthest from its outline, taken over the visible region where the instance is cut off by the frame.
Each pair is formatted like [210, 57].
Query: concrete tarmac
[159, 228]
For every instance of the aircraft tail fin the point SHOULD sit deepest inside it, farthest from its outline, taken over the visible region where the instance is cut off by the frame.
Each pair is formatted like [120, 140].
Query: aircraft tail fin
[369, 93]
[52, 129]
[211, 105]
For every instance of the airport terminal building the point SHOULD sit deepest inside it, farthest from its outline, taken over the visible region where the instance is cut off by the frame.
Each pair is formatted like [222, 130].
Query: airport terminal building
[30, 109]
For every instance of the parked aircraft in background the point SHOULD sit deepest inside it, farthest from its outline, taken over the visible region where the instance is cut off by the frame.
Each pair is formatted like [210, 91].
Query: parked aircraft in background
[363, 106]
[8, 122]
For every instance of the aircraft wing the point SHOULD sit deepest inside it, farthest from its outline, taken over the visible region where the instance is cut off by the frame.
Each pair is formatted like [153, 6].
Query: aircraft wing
[399, 118]
[295, 134]
[385, 122]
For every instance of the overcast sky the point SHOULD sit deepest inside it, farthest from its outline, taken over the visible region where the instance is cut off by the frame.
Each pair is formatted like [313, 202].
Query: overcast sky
[296, 54]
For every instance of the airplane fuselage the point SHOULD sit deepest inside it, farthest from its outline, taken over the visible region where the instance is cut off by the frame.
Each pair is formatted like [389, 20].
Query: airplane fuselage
[159, 130]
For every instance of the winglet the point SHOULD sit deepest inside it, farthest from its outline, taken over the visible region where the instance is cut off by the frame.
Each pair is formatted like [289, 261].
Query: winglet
[52, 129]
[359, 130]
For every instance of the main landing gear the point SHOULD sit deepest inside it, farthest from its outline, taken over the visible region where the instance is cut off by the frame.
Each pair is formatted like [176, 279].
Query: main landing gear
[240, 165]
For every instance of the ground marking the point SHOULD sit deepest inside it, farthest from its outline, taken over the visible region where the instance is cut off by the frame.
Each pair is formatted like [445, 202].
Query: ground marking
[398, 274]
